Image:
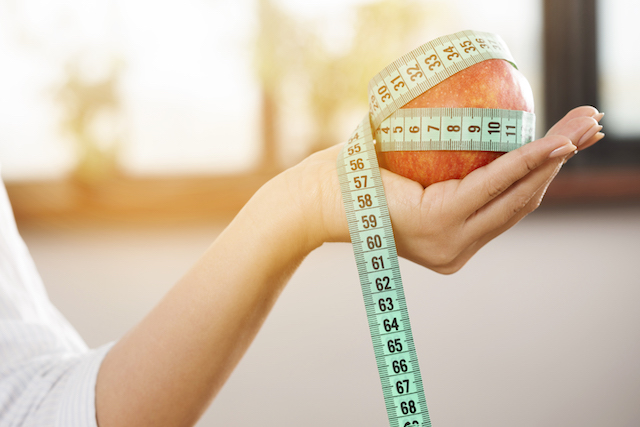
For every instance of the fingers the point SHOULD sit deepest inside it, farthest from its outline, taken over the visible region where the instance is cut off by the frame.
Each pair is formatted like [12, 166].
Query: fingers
[478, 240]
[592, 140]
[572, 119]
[526, 194]
[581, 130]
[472, 248]
[515, 203]
[583, 111]
[486, 183]
[580, 126]
[576, 118]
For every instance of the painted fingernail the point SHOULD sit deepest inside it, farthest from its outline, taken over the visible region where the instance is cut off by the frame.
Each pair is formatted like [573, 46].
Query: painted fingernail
[598, 116]
[589, 134]
[562, 151]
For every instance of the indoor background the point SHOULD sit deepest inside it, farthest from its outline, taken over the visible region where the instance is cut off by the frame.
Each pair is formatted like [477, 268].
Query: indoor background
[132, 131]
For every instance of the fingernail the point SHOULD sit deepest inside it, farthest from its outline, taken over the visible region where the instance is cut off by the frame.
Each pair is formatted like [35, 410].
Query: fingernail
[589, 134]
[562, 151]
[597, 137]
[598, 116]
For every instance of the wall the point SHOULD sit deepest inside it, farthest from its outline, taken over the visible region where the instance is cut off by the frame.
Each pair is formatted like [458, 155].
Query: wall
[540, 328]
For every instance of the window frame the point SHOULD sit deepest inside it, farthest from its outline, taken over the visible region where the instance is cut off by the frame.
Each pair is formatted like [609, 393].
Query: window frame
[571, 77]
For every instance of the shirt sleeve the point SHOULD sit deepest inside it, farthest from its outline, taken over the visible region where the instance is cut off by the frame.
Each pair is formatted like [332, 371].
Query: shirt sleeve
[76, 407]
[47, 373]
[53, 391]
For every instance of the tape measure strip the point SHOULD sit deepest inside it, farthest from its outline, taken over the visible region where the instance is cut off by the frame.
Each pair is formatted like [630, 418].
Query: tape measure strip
[477, 129]
[377, 261]
[370, 223]
[424, 67]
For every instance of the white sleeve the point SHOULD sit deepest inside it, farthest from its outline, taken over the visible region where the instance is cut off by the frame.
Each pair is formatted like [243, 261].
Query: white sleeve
[47, 373]
[51, 390]
[76, 406]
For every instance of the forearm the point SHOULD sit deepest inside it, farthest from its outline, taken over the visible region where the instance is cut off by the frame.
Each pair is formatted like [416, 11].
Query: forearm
[168, 368]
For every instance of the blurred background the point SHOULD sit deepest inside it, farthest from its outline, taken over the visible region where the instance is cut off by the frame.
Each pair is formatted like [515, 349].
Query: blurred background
[132, 131]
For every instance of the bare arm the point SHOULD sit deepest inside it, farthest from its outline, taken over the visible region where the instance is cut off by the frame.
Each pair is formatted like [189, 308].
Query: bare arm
[167, 369]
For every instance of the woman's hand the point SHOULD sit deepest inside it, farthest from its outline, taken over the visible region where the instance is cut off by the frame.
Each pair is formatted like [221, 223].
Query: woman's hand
[443, 226]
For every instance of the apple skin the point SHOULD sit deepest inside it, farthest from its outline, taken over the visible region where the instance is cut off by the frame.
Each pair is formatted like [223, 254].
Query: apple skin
[493, 83]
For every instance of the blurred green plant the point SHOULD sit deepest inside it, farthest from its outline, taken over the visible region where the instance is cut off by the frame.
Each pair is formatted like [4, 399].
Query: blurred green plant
[87, 91]
[90, 115]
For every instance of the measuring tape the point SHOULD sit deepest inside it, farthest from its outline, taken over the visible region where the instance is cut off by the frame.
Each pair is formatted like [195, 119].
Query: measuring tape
[366, 206]
[478, 129]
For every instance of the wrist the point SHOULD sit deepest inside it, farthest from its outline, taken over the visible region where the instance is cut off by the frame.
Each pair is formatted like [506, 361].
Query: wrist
[314, 187]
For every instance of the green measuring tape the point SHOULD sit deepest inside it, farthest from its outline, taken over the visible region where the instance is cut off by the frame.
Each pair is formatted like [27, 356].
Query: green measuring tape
[366, 206]
[480, 129]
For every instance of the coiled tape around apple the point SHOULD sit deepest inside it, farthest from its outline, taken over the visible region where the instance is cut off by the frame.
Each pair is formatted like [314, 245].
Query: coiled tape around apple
[365, 203]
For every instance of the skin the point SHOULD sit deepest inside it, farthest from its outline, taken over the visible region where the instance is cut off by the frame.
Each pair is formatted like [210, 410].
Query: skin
[168, 368]
[493, 83]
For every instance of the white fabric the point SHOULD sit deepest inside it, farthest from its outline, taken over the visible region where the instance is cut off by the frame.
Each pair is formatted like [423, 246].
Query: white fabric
[47, 373]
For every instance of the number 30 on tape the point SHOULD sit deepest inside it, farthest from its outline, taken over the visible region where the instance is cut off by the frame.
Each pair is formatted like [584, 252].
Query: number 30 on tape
[366, 206]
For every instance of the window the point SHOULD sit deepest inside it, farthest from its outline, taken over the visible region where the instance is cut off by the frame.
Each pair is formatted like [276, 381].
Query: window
[591, 59]
[178, 73]
[619, 66]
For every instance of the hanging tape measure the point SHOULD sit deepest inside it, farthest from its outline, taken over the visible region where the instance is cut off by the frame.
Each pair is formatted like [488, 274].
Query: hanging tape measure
[366, 206]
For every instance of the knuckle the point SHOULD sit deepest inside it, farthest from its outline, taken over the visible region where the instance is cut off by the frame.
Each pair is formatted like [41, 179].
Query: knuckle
[494, 188]
[522, 204]
[523, 162]
[530, 162]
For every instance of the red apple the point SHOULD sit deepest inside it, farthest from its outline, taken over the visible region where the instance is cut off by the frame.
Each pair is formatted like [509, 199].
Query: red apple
[493, 83]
